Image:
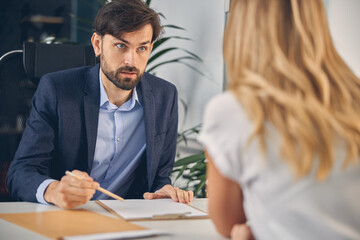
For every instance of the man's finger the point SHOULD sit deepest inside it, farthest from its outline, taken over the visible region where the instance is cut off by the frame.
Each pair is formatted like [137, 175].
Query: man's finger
[173, 194]
[84, 183]
[148, 195]
[180, 195]
[168, 191]
[186, 196]
[68, 189]
[82, 174]
[191, 195]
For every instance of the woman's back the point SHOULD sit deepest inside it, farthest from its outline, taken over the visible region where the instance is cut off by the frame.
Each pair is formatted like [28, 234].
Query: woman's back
[278, 205]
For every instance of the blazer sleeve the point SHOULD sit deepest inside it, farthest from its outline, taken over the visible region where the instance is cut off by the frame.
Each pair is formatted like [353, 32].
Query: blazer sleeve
[30, 166]
[168, 151]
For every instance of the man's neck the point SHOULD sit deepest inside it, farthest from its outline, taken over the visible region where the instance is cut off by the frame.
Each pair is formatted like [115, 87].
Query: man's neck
[115, 95]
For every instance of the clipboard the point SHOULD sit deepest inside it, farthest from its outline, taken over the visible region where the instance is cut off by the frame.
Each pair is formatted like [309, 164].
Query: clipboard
[58, 224]
[122, 210]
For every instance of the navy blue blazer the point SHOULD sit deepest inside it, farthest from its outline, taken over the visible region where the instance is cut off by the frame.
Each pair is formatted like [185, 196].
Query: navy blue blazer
[61, 132]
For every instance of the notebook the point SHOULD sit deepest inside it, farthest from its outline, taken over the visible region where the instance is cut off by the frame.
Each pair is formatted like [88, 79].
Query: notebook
[156, 209]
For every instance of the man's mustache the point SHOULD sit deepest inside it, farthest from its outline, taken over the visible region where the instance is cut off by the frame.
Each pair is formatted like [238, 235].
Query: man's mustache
[128, 69]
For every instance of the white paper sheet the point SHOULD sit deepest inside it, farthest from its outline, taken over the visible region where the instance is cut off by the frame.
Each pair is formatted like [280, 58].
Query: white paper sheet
[147, 209]
[118, 235]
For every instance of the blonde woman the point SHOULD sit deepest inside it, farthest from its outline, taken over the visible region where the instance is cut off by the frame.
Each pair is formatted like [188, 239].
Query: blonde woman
[283, 141]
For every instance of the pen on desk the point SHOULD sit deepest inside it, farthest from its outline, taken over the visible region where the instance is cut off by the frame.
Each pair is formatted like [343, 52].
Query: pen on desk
[169, 216]
[100, 189]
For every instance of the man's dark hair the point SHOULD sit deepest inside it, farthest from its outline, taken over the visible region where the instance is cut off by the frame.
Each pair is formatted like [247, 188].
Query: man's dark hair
[123, 16]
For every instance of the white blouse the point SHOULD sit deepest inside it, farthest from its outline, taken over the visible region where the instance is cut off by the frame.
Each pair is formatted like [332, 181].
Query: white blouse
[277, 205]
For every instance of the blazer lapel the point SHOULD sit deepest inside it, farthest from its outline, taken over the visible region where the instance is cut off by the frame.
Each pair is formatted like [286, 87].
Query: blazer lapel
[146, 98]
[91, 111]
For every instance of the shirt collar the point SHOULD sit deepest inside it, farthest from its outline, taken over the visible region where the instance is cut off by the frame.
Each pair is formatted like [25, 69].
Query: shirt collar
[105, 103]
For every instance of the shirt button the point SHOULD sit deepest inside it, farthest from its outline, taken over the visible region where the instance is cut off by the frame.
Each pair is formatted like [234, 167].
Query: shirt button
[118, 139]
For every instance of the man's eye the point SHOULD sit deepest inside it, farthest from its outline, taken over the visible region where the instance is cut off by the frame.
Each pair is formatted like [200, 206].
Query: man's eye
[121, 45]
[142, 49]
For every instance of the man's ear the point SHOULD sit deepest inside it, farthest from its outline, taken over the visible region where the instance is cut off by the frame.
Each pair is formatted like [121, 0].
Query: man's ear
[96, 43]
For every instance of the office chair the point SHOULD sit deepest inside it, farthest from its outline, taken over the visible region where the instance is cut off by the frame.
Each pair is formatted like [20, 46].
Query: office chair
[40, 59]
[20, 72]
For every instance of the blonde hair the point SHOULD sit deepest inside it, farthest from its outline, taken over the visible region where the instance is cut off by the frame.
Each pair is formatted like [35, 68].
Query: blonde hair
[283, 68]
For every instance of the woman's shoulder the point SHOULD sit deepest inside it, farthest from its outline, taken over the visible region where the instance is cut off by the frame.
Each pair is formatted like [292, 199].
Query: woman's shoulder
[223, 99]
[225, 105]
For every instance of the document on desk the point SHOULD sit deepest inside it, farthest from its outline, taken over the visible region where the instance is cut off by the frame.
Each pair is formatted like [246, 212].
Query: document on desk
[156, 209]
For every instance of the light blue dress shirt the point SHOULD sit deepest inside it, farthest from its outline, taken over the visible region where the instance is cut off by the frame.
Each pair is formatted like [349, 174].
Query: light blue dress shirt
[120, 144]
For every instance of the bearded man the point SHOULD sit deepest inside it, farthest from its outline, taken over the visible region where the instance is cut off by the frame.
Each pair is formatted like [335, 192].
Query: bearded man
[113, 124]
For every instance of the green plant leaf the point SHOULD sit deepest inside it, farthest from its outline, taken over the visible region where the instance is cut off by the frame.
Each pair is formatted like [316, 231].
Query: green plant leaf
[161, 15]
[193, 68]
[189, 131]
[148, 2]
[176, 60]
[200, 185]
[183, 103]
[182, 137]
[165, 39]
[166, 50]
[160, 53]
[189, 159]
[193, 54]
[173, 26]
[199, 166]
[196, 174]
[181, 172]
[189, 178]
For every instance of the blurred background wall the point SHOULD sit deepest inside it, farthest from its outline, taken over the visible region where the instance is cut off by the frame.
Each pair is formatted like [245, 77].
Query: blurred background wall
[344, 20]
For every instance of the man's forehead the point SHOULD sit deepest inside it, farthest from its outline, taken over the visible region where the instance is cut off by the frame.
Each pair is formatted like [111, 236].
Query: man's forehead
[143, 35]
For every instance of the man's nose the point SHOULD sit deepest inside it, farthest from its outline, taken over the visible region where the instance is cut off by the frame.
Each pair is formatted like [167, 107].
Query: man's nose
[129, 58]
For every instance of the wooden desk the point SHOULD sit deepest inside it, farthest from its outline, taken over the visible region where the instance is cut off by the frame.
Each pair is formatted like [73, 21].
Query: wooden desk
[178, 229]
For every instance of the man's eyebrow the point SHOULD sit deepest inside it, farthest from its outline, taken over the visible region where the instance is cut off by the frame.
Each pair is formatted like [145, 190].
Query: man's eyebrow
[143, 43]
[123, 40]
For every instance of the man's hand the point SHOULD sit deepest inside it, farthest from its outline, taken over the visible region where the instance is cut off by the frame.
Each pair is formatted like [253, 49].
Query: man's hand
[71, 192]
[174, 193]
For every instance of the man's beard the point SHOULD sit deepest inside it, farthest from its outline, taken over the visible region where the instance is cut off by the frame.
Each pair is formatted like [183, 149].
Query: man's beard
[121, 82]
